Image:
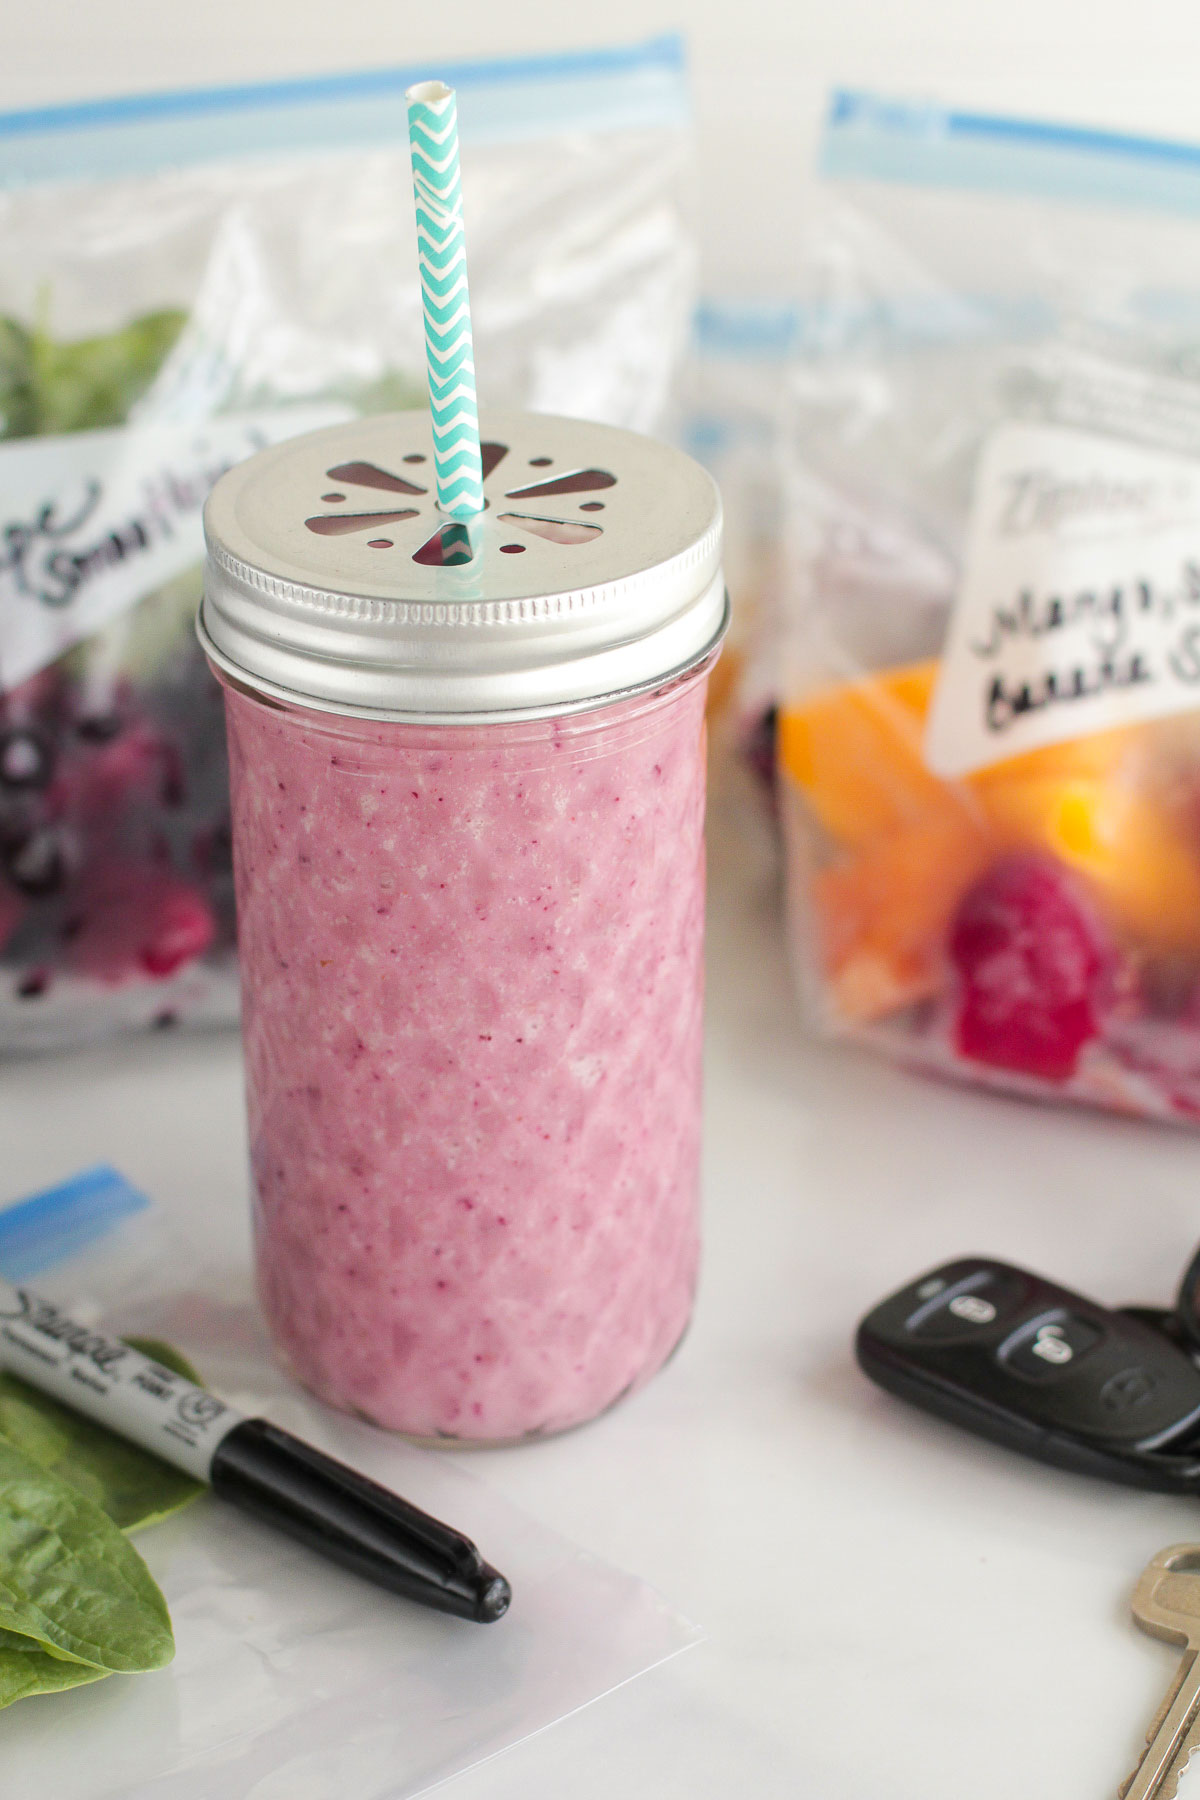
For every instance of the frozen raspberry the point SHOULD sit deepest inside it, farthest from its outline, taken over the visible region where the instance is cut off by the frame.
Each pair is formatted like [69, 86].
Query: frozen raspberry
[12, 911]
[133, 921]
[126, 770]
[1035, 968]
[180, 929]
[37, 697]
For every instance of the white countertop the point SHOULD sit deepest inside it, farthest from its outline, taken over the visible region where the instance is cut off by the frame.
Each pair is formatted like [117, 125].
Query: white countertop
[891, 1608]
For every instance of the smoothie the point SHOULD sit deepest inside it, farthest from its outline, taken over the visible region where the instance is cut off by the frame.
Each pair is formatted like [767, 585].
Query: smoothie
[472, 975]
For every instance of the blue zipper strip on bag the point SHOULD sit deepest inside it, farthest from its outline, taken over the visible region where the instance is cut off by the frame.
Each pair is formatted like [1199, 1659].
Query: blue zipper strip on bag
[868, 137]
[747, 330]
[51, 1226]
[637, 86]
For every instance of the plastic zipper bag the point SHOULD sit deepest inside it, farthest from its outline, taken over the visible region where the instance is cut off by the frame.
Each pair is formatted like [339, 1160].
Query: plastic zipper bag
[188, 277]
[293, 1680]
[989, 656]
[731, 415]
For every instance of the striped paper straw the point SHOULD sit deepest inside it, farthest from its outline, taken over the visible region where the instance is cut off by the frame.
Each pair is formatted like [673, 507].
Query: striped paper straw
[442, 256]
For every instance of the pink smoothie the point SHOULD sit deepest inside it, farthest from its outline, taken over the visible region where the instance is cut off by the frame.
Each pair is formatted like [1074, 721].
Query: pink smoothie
[471, 965]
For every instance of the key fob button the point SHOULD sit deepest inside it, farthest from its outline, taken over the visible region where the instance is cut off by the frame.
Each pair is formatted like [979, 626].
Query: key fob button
[963, 1308]
[1127, 1389]
[1049, 1346]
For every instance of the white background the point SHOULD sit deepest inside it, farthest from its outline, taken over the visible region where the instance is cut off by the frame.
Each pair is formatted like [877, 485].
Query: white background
[894, 1613]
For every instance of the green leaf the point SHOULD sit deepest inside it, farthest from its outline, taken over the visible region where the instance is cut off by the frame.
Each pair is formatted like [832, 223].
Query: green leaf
[161, 1352]
[395, 391]
[18, 403]
[48, 384]
[88, 383]
[133, 1487]
[25, 1669]
[69, 1579]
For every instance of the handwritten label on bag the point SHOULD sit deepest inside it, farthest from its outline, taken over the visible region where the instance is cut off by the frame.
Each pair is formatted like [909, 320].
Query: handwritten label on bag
[93, 521]
[1079, 607]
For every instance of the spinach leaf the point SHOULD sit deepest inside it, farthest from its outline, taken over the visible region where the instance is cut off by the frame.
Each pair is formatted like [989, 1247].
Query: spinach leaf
[91, 382]
[25, 1669]
[18, 403]
[69, 1579]
[161, 1352]
[49, 384]
[133, 1487]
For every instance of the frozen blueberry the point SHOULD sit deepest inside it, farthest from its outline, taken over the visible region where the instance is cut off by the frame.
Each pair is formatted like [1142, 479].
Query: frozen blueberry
[759, 748]
[100, 728]
[173, 789]
[37, 864]
[26, 759]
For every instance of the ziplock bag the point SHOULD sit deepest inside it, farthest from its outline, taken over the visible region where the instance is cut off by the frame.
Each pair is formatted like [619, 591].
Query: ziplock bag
[731, 416]
[188, 277]
[989, 663]
[293, 1680]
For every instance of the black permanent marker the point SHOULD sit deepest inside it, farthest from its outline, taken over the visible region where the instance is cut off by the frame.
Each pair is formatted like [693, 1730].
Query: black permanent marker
[249, 1462]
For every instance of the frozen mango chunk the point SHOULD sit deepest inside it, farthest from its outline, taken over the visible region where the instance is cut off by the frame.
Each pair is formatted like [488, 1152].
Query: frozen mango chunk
[1120, 837]
[1101, 755]
[855, 753]
[884, 912]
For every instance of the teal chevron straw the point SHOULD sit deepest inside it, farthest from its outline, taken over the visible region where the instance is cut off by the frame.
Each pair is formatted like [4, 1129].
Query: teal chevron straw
[442, 258]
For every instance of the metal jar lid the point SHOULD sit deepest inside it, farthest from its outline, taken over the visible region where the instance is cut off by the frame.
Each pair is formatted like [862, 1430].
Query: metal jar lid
[333, 580]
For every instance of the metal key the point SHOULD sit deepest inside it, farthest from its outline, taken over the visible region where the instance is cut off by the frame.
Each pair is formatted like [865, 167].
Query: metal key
[1166, 1603]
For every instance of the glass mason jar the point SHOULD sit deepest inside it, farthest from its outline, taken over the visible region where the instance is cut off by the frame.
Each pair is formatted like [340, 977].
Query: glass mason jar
[468, 843]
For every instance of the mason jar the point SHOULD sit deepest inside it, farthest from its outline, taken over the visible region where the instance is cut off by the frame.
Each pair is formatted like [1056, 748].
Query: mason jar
[467, 765]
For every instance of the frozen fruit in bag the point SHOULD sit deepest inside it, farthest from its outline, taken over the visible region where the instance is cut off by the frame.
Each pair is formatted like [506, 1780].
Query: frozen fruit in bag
[1034, 968]
[1125, 843]
[170, 308]
[136, 920]
[885, 910]
[991, 605]
[1001, 920]
[855, 750]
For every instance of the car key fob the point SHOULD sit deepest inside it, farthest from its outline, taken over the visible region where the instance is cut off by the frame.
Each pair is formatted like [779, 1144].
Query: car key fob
[1023, 1362]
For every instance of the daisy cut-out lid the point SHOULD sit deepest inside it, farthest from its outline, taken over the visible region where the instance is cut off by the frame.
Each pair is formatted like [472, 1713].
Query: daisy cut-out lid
[334, 581]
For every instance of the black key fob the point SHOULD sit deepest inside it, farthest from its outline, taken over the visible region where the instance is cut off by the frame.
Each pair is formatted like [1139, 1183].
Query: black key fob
[1026, 1363]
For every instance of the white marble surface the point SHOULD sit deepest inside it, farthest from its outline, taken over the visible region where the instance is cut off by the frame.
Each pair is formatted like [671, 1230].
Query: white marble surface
[888, 1604]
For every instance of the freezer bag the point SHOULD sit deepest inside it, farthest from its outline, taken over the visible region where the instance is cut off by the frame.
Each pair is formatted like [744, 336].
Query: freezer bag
[987, 658]
[186, 278]
[731, 413]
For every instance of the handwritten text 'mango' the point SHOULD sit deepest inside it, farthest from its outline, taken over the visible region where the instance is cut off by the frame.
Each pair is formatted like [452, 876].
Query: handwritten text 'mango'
[1106, 616]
